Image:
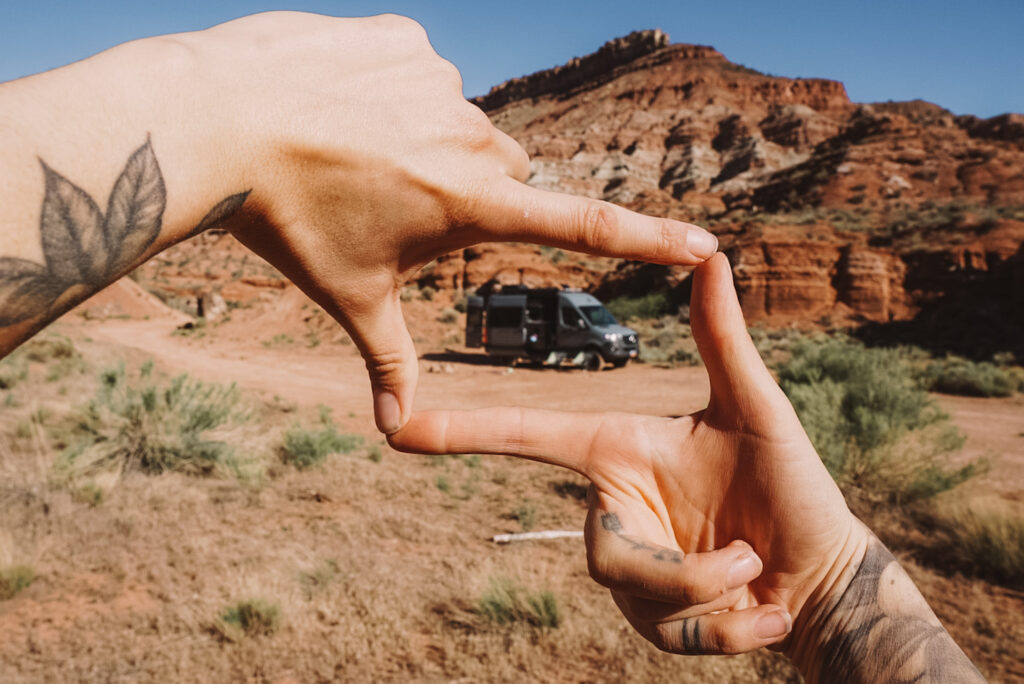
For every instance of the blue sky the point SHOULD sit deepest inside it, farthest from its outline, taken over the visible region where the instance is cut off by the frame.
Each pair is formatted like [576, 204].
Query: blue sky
[965, 56]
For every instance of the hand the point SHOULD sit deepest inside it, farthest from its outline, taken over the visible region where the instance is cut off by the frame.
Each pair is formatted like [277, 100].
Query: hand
[716, 532]
[365, 162]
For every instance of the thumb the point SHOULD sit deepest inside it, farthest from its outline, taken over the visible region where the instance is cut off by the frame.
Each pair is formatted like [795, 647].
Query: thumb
[383, 340]
[740, 382]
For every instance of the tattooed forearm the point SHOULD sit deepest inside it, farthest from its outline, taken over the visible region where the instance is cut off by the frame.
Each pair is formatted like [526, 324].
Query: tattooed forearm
[882, 630]
[611, 523]
[84, 249]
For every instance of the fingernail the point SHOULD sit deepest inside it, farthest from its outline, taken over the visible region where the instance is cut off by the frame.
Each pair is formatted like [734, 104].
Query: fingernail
[387, 412]
[773, 625]
[743, 570]
[701, 243]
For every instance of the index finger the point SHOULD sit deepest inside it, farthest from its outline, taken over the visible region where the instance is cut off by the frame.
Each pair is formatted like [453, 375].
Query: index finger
[514, 212]
[555, 437]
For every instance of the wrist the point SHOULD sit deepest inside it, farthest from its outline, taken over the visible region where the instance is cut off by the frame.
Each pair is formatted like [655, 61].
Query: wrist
[817, 620]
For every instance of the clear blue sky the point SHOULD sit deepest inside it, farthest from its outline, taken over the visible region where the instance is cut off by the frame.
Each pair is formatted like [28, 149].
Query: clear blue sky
[965, 56]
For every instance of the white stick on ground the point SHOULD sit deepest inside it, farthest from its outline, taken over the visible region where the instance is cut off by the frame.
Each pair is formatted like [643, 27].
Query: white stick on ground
[530, 536]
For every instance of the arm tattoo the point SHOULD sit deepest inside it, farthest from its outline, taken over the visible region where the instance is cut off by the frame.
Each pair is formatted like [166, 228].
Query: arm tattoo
[84, 247]
[611, 523]
[881, 632]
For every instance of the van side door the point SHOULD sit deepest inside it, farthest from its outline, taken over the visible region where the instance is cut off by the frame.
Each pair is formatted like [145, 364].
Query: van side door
[573, 330]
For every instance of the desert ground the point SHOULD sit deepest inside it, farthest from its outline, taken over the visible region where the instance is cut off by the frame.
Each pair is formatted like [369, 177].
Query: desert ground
[375, 563]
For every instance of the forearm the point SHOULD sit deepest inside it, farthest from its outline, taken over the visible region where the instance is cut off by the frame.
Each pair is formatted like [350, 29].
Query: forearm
[876, 627]
[103, 163]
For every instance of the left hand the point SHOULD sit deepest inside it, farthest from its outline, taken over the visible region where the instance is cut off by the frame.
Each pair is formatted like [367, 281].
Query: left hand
[366, 162]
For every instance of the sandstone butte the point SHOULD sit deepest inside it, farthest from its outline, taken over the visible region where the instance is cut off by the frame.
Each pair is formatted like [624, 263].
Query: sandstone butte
[897, 216]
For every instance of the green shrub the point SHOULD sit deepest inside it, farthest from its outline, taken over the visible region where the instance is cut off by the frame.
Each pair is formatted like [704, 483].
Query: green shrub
[304, 448]
[427, 293]
[15, 579]
[969, 378]
[448, 315]
[526, 516]
[48, 347]
[318, 578]
[138, 423]
[252, 618]
[13, 370]
[872, 424]
[653, 305]
[506, 603]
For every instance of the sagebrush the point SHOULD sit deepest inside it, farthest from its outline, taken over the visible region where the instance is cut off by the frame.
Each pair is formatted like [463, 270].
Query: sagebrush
[137, 422]
[874, 426]
[507, 603]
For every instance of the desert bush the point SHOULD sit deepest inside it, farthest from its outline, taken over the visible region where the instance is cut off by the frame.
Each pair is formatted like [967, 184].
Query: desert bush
[138, 423]
[507, 603]
[48, 347]
[318, 578]
[427, 293]
[14, 579]
[970, 378]
[873, 425]
[249, 618]
[653, 305]
[304, 448]
[448, 315]
[984, 538]
[526, 515]
[13, 370]
[666, 341]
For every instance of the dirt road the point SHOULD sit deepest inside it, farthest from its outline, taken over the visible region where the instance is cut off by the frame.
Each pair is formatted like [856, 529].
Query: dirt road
[336, 377]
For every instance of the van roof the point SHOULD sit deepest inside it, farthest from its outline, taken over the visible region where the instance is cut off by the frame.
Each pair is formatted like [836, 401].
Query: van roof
[577, 298]
[581, 299]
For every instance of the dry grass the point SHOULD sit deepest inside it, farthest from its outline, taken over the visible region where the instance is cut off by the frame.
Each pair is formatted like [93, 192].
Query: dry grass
[375, 575]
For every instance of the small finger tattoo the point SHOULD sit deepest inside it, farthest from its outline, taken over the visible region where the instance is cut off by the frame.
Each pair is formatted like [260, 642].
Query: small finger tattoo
[691, 636]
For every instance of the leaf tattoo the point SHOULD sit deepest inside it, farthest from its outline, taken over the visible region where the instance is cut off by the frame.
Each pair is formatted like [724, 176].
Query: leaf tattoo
[135, 209]
[82, 246]
[26, 288]
[226, 207]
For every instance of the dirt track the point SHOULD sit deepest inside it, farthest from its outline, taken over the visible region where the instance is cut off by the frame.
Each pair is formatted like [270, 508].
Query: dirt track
[336, 377]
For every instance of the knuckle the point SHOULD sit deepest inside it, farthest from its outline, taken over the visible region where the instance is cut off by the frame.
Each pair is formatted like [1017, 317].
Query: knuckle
[410, 28]
[600, 569]
[473, 128]
[666, 638]
[449, 71]
[667, 239]
[384, 364]
[600, 225]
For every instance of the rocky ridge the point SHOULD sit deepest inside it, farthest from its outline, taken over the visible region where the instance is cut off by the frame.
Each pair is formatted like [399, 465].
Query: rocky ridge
[828, 209]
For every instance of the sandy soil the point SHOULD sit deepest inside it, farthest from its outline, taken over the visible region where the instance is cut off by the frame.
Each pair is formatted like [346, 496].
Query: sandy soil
[377, 568]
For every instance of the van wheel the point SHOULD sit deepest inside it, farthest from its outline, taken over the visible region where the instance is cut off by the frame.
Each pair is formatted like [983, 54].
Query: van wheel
[591, 360]
[621, 363]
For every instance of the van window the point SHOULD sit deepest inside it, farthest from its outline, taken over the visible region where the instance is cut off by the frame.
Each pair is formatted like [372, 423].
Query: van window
[505, 317]
[598, 315]
[571, 317]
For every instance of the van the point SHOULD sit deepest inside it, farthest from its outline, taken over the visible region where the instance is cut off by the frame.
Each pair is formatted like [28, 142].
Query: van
[550, 326]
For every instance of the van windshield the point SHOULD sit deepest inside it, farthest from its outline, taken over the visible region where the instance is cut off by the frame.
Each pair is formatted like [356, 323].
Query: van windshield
[598, 315]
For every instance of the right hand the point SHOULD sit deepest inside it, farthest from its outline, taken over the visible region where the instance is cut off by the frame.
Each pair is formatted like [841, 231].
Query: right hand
[366, 162]
[716, 532]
